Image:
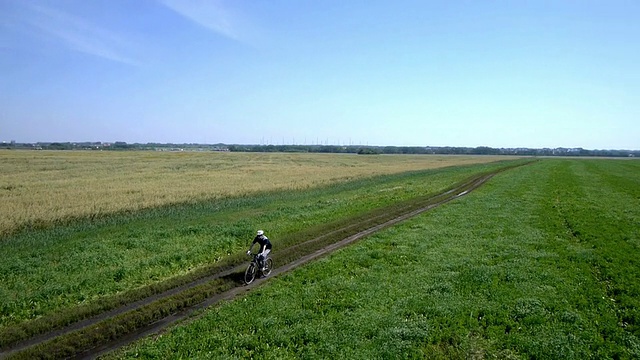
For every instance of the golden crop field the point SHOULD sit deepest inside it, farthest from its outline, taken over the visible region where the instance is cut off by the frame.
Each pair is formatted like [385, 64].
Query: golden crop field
[46, 186]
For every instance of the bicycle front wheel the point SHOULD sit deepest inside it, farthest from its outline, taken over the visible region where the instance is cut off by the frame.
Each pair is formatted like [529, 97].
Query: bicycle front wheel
[250, 273]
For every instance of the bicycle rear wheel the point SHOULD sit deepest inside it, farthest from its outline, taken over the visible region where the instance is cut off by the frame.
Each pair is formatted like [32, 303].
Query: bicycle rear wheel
[250, 273]
[267, 267]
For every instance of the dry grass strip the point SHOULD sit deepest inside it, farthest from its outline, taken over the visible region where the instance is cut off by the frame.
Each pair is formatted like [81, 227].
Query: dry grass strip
[47, 186]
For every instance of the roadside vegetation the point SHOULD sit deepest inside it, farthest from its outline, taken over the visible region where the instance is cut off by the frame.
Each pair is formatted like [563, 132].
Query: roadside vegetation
[541, 262]
[56, 275]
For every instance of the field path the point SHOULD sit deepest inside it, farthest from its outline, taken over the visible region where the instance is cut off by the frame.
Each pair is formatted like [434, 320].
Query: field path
[234, 274]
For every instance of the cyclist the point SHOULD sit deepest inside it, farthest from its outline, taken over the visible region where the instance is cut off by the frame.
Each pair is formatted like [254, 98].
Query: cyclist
[265, 248]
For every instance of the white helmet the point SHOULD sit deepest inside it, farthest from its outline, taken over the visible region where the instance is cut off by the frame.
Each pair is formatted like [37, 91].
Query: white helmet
[260, 232]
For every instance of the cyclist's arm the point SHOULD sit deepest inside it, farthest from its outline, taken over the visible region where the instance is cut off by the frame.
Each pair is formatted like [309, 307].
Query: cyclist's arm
[251, 247]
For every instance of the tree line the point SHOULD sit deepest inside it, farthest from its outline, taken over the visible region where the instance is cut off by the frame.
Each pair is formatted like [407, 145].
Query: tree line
[351, 149]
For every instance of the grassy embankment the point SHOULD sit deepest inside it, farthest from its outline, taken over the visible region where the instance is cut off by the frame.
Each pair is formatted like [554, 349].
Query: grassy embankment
[541, 262]
[55, 275]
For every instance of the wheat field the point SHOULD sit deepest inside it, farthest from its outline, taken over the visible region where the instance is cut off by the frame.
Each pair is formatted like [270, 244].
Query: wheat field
[42, 187]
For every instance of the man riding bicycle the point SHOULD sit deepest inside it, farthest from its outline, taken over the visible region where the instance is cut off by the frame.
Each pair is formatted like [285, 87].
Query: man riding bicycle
[265, 248]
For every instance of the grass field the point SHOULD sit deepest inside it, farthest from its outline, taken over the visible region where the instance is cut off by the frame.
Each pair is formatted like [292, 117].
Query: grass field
[542, 262]
[41, 188]
[59, 269]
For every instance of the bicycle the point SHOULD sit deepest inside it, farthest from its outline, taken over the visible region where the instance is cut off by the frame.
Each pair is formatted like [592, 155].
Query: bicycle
[254, 268]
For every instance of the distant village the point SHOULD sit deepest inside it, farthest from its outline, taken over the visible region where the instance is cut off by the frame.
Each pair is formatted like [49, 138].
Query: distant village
[354, 149]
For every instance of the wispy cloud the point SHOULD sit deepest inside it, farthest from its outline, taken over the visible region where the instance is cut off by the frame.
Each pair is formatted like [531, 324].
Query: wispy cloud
[212, 14]
[80, 35]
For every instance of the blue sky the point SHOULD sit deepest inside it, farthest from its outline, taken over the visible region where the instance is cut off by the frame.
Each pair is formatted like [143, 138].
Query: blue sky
[406, 73]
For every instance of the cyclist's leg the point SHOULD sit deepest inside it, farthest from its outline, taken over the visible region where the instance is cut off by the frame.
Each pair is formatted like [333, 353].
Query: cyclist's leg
[263, 257]
[260, 260]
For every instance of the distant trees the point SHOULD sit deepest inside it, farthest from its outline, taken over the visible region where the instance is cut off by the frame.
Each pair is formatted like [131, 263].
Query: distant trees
[351, 149]
[121, 145]
[369, 151]
[60, 146]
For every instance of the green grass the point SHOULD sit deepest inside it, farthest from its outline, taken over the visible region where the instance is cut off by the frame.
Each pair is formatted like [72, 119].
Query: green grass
[51, 277]
[541, 262]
